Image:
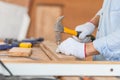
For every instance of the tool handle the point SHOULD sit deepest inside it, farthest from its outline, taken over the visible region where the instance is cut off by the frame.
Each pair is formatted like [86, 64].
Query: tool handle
[91, 36]
[76, 33]
[25, 45]
[70, 31]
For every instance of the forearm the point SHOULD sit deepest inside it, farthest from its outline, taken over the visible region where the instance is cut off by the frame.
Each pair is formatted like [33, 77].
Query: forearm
[95, 20]
[90, 50]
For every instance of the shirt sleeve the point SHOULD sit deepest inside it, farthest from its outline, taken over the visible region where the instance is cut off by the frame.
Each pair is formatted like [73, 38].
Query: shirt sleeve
[109, 46]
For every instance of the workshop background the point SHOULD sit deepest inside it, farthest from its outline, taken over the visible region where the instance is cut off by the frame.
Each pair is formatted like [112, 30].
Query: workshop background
[44, 13]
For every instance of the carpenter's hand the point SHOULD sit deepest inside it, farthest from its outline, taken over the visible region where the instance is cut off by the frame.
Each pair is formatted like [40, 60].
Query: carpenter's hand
[85, 29]
[72, 47]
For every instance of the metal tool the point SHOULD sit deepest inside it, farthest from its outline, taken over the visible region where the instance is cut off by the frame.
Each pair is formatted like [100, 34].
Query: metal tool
[10, 43]
[59, 28]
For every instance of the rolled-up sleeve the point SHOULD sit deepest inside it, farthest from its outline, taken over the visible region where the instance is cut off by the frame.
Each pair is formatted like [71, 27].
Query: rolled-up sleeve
[109, 46]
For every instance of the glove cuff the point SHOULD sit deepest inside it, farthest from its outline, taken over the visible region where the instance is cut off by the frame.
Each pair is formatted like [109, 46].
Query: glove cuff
[80, 51]
[92, 22]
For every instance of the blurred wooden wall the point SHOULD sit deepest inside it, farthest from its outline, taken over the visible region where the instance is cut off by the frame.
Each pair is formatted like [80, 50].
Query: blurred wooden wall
[44, 13]
[75, 11]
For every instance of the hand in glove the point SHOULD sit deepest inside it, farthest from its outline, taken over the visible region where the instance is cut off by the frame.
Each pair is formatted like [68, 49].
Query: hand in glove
[85, 29]
[72, 47]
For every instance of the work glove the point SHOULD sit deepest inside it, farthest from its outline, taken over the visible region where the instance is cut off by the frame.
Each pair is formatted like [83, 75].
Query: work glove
[72, 47]
[85, 29]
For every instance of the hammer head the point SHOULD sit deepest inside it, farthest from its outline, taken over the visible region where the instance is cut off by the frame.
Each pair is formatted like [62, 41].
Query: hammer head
[58, 29]
[58, 24]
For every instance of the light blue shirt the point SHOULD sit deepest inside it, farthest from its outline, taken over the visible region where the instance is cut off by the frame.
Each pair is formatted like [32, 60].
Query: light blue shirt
[108, 35]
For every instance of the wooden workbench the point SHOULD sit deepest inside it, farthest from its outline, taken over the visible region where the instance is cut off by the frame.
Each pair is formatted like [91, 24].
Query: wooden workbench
[45, 61]
[43, 52]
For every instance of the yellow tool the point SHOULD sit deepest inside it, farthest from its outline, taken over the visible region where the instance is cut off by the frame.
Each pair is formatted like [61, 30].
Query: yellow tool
[59, 28]
[25, 45]
[70, 31]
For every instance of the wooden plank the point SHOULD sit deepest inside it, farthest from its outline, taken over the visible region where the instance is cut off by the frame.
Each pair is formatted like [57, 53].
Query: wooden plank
[51, 46]
[37, 56]
[22, 52]
[48, 53]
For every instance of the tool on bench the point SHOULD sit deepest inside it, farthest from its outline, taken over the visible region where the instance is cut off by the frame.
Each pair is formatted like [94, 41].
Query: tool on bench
[33, 40]
[5, 46]
[59, 28]
[26, 43]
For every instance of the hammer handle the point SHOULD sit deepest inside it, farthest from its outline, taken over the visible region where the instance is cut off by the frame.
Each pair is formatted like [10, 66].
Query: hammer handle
[70, 31]
[75, 33]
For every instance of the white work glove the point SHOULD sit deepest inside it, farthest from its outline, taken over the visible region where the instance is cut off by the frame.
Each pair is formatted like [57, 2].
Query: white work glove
[72, 47]
[85, 29]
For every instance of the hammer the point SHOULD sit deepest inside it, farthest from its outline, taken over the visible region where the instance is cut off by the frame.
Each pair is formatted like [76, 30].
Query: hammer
[59, 28]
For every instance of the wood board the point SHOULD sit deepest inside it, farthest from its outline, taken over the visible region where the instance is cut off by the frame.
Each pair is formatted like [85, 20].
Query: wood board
[37, 55]
[21, 52]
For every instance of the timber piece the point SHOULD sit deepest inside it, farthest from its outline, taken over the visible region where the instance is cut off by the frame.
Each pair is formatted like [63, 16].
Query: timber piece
[23, 52]
[48, 52]
[37, 56]
[51, 46]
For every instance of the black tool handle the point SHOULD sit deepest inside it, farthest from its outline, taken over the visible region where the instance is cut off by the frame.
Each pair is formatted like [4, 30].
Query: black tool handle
[91, 36]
